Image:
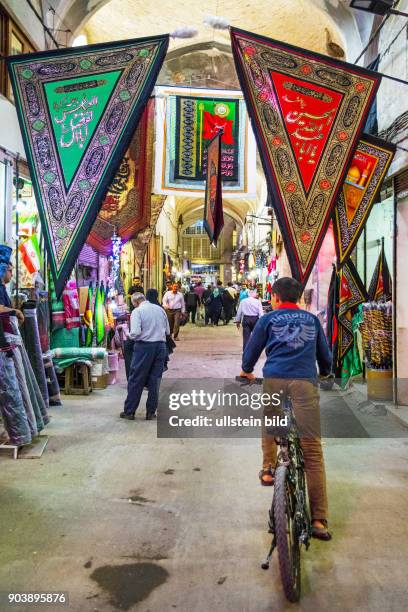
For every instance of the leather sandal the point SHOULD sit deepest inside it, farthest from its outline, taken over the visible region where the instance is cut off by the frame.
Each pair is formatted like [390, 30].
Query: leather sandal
[321, 533]
[267, 472]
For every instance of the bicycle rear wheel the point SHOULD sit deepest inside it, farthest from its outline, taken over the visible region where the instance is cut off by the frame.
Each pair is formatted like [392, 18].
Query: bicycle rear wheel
[286, 535]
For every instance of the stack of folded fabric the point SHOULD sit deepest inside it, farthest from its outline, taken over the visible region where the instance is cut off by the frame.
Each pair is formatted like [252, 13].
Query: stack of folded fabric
[66, 356]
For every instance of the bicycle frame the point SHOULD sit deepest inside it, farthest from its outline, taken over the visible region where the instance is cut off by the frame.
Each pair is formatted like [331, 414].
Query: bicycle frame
[291, 456]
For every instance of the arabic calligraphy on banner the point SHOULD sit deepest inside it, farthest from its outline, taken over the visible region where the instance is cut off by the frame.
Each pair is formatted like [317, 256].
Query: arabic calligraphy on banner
[309, 115]
[307, 111]
[73, 116]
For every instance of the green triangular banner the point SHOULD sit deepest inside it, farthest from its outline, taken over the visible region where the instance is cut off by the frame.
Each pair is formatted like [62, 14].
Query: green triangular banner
[78, 109]
[75, 109]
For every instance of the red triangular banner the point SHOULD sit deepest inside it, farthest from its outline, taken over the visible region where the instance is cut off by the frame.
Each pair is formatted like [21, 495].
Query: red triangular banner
[307, 112]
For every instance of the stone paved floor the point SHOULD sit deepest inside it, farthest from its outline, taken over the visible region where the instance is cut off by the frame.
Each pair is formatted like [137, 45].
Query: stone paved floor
[124, 521]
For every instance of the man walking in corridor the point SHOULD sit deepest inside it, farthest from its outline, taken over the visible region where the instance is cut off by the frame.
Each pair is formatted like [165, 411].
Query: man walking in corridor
[148, 328]
[173, 302]
[249, 312]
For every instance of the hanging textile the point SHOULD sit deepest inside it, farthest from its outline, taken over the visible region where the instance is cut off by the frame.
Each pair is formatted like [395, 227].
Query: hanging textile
[141, 242]
[186, 121]
[70, 300]
[78, 109]
[126, 207]
[32, 343]
[307, 113]
[365, 175]
[351, 293]
[380, 289]
[88, 318]
[30, 254]
[99, 316]
[213, 213]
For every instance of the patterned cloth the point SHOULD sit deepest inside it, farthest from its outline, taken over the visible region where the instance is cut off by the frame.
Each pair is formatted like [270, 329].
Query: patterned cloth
[31, 337]
[306, 147]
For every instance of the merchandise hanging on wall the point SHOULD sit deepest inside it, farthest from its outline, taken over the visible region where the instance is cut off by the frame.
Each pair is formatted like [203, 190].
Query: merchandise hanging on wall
[380, 289]
[78, 109]
[307, 112]
[213, 213]
[346, 293]
[141, 242]
[186, 121]
[126, 207]
[351, 293]
[365, 175]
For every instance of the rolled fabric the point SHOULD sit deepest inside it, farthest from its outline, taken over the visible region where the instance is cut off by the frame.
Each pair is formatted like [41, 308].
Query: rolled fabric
[66, 356]
[33, 398]
[43, 318]
[11, 404]
[52, 381]
[31, 337]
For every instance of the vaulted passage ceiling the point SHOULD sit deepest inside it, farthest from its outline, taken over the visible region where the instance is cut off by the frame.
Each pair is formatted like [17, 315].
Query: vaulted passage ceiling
[299, 22]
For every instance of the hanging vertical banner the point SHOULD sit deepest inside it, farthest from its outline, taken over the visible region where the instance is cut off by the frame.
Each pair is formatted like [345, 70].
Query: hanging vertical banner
[351, 293]
[186, 120]
[213, 213]
[307, 112]
[78, 109]
[365, 175]
[141, 242]
[126, 206]
[380, 288]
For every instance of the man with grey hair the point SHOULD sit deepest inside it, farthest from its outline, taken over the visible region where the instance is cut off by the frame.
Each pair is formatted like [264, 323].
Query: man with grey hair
[148, 328]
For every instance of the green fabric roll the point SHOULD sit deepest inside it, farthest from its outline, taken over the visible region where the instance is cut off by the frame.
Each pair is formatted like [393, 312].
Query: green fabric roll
[99, 316]
[66, 356]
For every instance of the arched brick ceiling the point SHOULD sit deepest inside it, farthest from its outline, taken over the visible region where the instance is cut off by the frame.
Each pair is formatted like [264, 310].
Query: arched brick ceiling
[299, 22]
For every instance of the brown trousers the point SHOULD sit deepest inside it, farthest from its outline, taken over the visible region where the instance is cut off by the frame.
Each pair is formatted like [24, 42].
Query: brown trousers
[174, 321]
[305, 401]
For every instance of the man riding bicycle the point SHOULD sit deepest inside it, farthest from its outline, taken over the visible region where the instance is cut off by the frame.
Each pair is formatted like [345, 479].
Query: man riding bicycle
[293, 340]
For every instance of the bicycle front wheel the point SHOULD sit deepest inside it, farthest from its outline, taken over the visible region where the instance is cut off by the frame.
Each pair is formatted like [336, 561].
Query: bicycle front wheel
[286, 537]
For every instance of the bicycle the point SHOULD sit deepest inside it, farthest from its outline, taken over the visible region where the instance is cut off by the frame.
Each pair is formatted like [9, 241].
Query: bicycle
[289, 517]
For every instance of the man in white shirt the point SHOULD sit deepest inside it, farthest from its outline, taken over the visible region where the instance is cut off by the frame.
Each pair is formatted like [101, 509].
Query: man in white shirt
[249, 312]
[173, 302]
[148, 328]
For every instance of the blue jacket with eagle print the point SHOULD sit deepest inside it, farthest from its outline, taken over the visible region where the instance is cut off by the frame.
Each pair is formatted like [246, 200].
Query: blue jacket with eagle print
[294, 344]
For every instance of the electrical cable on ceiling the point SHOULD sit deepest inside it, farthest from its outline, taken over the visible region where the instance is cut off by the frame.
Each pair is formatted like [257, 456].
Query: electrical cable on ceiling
[45, 28]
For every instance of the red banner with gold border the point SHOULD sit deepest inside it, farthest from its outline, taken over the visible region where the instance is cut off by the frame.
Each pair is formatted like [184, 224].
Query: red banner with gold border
[213, 213]
[307, 112]
[364, 178]
[380, 289]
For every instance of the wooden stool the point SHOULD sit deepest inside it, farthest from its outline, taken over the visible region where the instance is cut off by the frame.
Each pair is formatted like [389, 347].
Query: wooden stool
[77, 379]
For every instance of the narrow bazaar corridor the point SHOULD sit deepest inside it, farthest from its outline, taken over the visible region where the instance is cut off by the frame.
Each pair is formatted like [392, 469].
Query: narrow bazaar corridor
[122, 520]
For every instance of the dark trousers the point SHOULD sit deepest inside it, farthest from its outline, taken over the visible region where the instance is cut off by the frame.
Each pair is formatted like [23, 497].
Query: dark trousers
[128, 347]
[207, 315]
[193, 310]
[248, 324]
[146, 370]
